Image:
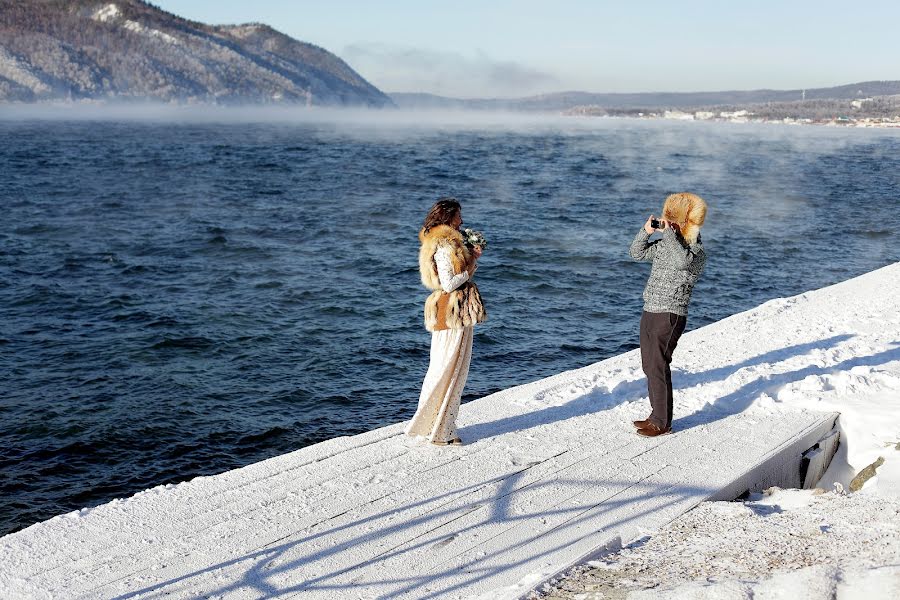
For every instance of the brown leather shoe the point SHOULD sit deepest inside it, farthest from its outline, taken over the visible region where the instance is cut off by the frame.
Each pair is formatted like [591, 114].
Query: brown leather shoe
[652, 430]
[642, 424]
[453, 442]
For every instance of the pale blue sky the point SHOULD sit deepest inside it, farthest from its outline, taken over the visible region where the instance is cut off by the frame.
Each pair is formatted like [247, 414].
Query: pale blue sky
[487, 48]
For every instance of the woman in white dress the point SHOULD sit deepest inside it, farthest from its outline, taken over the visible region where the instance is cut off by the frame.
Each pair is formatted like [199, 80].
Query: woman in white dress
[446, 265]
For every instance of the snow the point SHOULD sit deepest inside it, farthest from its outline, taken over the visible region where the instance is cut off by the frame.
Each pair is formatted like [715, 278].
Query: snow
[243, 31]
[111, 13]
[714, 551]
[551, 476]
[792, 544]
[107, 13]
[19, 71]
[138, 28]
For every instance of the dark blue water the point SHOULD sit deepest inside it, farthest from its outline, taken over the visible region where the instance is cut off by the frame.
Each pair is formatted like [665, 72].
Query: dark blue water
[181, 299]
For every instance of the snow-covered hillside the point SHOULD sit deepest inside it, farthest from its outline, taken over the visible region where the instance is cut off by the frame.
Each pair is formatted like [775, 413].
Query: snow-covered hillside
[130, 49]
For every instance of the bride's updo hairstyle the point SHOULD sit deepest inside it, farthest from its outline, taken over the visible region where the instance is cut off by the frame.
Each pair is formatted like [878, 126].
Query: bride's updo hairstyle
[442, 213]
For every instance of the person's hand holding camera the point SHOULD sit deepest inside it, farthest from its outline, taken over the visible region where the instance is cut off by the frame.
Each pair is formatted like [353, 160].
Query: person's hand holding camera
[654, 224]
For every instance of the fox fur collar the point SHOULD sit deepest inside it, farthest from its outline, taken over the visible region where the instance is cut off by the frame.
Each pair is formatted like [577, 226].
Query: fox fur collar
[463, 306]
[437, 235]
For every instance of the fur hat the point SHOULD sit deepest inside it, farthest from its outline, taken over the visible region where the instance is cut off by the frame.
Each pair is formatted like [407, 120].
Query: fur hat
[689, 211]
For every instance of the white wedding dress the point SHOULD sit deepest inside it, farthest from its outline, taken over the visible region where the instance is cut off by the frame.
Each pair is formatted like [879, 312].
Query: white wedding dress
[451, 352]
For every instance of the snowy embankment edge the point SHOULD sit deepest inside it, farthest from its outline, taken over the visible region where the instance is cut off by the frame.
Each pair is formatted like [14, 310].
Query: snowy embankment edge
[864, 389]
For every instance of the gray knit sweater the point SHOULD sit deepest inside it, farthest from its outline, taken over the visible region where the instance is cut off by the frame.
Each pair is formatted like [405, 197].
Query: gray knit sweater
[676, 268]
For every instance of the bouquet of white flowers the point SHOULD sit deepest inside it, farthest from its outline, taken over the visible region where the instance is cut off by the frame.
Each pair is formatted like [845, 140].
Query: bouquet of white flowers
[474, 238]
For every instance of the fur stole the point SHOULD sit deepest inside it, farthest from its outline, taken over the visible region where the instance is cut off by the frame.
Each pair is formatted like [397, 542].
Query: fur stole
[463, 306]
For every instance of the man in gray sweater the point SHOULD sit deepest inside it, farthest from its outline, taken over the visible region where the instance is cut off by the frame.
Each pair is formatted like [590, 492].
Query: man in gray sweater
[678, 259]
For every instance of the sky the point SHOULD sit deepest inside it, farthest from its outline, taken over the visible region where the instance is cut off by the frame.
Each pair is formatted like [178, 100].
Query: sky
[507, 48]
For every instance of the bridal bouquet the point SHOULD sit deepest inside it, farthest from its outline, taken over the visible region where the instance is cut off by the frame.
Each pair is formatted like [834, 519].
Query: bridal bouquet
[474, 238]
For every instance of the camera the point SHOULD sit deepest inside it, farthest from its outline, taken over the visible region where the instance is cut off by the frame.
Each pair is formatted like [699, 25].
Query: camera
[654, 223]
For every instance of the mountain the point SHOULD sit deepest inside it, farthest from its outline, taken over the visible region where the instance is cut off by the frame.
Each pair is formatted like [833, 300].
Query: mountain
[649, 100]
[130, 49]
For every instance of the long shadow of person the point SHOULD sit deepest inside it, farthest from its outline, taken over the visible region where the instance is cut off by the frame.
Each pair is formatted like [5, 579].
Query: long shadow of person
[603, 398]
[740, 399]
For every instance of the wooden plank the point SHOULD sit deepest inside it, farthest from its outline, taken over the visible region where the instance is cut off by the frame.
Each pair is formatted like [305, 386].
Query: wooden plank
[422, 535]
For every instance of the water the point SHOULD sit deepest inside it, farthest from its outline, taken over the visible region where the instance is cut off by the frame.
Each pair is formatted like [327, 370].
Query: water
[183, 298]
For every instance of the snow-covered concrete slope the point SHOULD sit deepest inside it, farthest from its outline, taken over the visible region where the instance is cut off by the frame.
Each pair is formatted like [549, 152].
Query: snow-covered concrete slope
[551, 474]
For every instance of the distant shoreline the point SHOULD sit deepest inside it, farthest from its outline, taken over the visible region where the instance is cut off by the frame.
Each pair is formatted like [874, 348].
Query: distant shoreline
[865, 123]
[163, 111]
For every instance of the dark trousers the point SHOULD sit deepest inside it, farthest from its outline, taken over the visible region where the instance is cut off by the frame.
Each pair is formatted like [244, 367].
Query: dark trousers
[659, 336]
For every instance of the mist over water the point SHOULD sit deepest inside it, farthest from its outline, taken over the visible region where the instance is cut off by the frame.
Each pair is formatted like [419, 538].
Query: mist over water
[182, 297]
